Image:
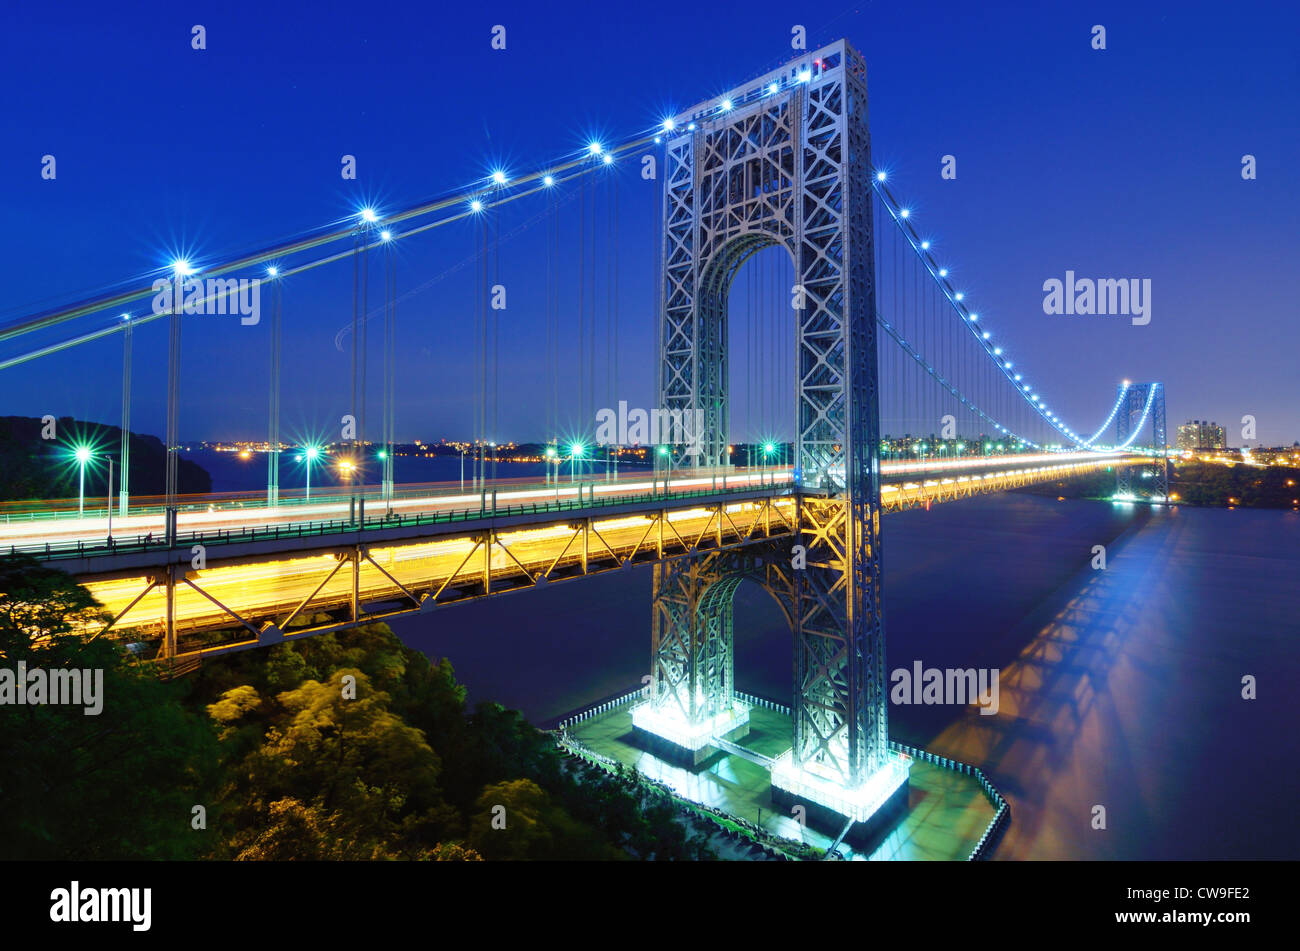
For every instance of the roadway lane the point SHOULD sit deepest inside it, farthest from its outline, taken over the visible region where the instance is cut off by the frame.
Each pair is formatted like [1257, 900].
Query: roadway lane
[225, 514]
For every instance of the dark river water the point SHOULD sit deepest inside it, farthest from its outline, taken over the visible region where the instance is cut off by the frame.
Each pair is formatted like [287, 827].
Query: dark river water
[1120, 688]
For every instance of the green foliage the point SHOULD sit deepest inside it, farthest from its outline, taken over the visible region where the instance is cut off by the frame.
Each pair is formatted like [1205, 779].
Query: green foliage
[517, 820]
[1204, 483]
[403, 770]
[336, 747]
[117, 785]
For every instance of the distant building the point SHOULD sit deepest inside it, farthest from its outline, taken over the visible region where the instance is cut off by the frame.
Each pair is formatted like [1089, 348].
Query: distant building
[1196, 434]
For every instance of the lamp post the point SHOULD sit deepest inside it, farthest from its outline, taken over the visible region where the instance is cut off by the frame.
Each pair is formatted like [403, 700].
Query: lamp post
[83, 456]
[126, 416]
[576, 452]
[309, 456]
[110, 500]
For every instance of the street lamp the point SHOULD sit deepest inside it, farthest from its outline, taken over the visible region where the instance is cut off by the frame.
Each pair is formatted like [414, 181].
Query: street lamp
[82, 454]
[309, 456]
[576, 451]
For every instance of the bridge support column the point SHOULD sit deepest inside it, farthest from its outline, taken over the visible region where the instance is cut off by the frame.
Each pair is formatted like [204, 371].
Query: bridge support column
[692, 681]
[840, 759]
[1138, 401]
[790, 167]
[168, 581]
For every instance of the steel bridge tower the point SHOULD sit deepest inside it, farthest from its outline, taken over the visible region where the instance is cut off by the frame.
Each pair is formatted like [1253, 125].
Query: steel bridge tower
[1137, 401]
[784, 160]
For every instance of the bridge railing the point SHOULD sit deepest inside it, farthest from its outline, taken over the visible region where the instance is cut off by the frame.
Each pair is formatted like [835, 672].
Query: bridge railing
[489, 507]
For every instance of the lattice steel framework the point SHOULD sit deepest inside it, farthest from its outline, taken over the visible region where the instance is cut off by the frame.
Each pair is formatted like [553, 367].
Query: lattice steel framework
[1132, 411]
[693, 637]
[787, 164]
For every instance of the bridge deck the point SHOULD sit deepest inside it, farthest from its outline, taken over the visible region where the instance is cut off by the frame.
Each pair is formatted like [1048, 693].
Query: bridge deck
[277, 578]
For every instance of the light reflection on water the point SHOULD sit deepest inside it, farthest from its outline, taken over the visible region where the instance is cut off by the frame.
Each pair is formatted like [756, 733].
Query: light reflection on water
[1119, 687]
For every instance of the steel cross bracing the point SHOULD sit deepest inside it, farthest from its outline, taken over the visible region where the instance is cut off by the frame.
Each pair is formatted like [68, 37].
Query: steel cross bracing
[789, 167]
[692, 650]
[327, 586]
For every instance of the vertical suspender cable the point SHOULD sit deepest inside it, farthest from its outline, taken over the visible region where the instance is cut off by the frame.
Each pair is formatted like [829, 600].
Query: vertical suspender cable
[273, 427]
[124, 493]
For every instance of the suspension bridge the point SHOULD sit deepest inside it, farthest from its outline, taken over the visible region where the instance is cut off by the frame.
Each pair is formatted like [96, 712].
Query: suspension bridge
[869, 385]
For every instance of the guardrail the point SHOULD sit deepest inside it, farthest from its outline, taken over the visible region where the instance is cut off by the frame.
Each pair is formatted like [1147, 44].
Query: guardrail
[488, 508]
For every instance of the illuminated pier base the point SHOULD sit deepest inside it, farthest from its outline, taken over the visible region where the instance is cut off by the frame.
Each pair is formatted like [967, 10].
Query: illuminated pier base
[873, 806]
[669, 735]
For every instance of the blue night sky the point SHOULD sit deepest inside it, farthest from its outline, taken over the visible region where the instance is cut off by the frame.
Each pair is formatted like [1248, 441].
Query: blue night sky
[1117, 163]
